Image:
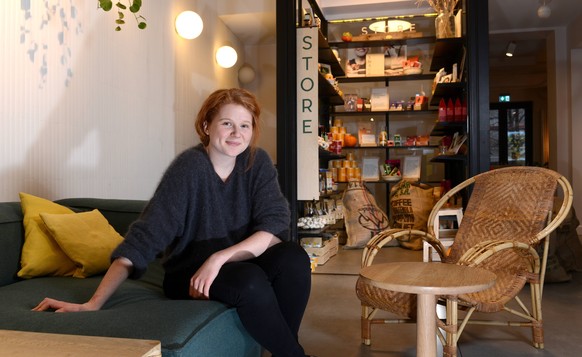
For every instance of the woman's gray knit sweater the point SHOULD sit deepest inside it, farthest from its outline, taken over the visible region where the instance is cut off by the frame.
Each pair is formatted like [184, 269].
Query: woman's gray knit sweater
[193, 213]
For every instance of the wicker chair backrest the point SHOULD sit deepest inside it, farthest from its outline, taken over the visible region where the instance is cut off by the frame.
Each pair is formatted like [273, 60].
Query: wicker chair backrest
[506, 204]
[509, 204]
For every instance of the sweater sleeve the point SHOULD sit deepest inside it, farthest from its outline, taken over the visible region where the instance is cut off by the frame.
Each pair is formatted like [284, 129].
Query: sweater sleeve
[162, 220]
[270, 208]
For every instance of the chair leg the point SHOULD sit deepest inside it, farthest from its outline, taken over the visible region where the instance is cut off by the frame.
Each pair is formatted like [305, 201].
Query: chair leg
[450, 347]
[537, 327]
[366, 326]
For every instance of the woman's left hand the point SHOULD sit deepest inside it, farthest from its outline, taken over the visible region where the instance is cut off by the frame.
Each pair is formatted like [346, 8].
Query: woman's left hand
[202, 280]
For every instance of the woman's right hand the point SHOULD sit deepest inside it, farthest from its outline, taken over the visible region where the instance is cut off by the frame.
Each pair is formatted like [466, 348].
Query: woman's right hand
[62, 306]
[116, 274]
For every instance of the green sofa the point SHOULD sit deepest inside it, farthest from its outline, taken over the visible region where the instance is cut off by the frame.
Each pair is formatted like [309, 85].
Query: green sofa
[138, 309]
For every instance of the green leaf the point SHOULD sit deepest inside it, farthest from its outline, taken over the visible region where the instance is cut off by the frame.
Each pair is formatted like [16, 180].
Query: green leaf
[121, 15]
[106, 5]
[135, 6]
[142, 25]
[121, 6]
[118, 28]
[119, 22]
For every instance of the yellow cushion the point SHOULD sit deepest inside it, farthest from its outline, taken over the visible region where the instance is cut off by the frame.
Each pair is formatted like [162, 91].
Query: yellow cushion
[86, 238]
[41, 255]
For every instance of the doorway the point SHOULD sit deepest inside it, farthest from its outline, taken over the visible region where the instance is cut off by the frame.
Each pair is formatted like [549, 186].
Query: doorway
[510, 134]
[525, 78]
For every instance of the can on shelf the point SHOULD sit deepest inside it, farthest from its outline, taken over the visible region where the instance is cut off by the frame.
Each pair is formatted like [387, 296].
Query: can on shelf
[341, 175]
[336, 147]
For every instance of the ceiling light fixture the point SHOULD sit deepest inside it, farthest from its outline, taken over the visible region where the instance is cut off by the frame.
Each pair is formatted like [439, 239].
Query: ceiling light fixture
[226, 56]
[510, 49]
[390, 26]
[189, 25]
[544, 11]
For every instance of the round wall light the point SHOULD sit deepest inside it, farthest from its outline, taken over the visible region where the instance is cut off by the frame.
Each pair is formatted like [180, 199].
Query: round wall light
[544, 11]
[226, 56]
[246, 74]
[189, 25]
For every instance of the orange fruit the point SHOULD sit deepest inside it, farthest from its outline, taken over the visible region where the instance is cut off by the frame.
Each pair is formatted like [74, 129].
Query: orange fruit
[350, 140]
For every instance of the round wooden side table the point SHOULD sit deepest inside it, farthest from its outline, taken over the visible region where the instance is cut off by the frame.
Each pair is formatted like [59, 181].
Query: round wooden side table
[427, 280]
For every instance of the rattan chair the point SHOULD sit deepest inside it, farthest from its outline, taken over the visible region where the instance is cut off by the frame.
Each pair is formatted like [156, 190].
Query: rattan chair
[504, 229]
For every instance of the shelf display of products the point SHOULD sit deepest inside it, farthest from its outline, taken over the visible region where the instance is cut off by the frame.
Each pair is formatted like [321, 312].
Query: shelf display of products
[391, 98]
[419, 74]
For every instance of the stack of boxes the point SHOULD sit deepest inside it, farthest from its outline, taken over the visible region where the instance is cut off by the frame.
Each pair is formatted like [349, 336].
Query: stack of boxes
[320, 250]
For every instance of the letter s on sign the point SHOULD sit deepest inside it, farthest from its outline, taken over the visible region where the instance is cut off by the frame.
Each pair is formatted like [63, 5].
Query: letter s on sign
[307, 42]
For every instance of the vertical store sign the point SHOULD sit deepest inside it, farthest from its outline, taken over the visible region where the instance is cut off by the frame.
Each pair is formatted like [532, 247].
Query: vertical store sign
[307, 115]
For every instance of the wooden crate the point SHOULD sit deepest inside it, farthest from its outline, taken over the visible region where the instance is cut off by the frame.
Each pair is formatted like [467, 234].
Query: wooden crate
[322, 254]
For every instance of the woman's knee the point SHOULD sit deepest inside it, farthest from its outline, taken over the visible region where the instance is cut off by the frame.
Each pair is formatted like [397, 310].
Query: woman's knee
[292, 255]
[242, 281]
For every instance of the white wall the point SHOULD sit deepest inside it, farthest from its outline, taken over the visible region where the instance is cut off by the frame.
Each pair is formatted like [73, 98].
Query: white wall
[197, 74]
[558, 90]
[100, 113]
[263, 58]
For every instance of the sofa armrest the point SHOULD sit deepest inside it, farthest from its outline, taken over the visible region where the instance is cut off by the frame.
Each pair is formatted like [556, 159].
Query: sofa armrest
[11, 240]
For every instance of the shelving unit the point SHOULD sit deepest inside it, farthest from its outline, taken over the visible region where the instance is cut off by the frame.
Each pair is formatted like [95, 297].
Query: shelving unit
[445, 53]
[442, 53]
[475, 32]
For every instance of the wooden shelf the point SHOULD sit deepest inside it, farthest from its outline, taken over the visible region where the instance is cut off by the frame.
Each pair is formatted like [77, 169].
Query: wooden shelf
[390, 147]
[384, 112]
[380, 43]
[447, 90]
[380, 181]
[447, 128]
[447, 51]
[326, 90]
[328, 155]
[387, 79]
[327, 56]
[449, 158]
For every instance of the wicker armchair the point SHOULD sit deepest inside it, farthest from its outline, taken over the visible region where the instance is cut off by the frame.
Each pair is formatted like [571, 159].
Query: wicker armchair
[505, 223]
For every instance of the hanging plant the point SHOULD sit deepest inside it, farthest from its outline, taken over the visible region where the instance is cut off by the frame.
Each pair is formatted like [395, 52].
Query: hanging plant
[134, 8]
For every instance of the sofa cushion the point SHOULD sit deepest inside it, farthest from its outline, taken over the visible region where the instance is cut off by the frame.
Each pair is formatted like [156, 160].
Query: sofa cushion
[41, 255]
[11, 233]
[86, 238]
[138, 309]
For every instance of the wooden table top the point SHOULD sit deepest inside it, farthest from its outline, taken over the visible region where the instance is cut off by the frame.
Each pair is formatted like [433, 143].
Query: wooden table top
[25, 344]
[428, 278]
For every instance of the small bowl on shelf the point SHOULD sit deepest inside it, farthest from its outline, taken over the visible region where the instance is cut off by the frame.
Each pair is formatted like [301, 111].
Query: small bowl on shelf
[412, 70]
[391, 178]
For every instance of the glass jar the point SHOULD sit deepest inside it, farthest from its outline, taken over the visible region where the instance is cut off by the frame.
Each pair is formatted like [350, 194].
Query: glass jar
[444, 24]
